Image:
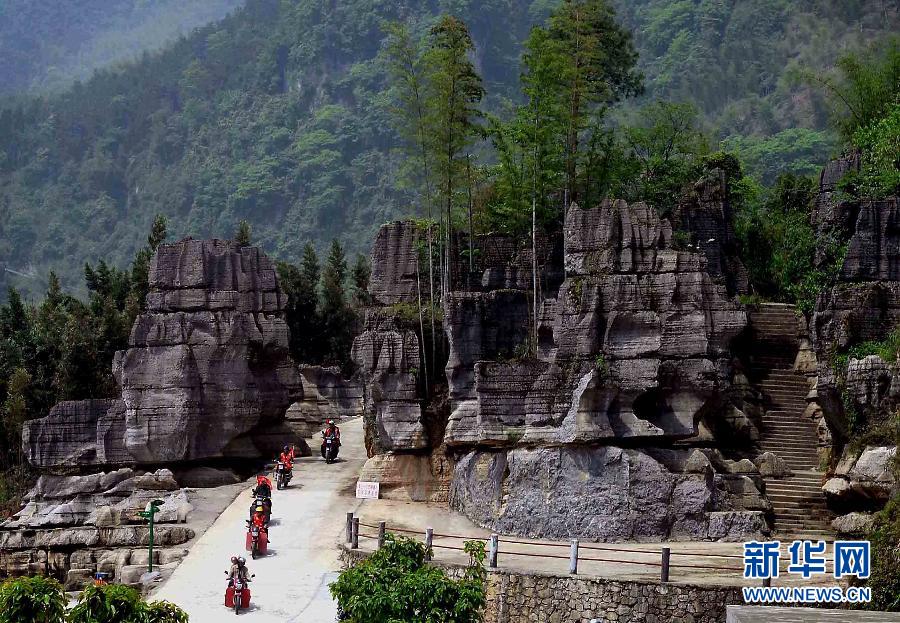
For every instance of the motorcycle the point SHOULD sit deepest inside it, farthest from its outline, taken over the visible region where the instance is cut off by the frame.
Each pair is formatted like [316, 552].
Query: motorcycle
[330, 448]
[282, 476]
[257, 541]
[237, 595]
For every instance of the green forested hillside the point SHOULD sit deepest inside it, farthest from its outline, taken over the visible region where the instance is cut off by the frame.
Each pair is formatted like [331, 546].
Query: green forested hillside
[278, 115]
[50, 45]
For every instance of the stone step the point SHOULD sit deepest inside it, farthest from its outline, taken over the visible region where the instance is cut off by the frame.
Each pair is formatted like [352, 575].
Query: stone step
[818, 522]
[775, 487]
[788, 523]
[784, 500]
[794, 388]
[801, 511]
[796, 480]
[788, 433]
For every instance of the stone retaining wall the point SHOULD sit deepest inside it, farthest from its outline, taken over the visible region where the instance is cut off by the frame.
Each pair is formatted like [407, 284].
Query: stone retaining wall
[514, 597]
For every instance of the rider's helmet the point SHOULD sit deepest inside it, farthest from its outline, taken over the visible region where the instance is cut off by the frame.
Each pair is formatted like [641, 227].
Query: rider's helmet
[242, 561]
[234, 559]
[287, 449]
[330, 422]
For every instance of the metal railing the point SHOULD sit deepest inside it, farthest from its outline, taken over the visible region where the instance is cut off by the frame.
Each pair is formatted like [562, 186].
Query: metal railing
[575, 552]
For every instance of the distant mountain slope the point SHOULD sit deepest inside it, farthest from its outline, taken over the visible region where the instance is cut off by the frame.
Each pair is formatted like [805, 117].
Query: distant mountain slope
[277, 115]
[48, 44]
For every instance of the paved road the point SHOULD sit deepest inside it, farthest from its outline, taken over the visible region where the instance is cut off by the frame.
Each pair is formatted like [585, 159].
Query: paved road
[291, 584]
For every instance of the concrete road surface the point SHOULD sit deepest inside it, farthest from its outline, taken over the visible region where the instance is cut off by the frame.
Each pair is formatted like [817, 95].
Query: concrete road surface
[291, 584]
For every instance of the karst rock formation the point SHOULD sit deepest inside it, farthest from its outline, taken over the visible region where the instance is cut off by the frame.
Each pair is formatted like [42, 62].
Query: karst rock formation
[610, 426]
[206, 374]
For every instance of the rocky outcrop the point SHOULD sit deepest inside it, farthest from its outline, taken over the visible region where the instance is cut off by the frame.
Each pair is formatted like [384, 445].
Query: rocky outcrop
[207, 372]
[863, 479]
[387, 360]
[705, 215]
[395, 264]
[326, 396]
[600, 493]
[635, 345]
[72, 526]
[633, 349]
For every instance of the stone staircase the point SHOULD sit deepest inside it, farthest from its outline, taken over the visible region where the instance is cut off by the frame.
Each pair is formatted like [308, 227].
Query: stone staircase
[798, 502]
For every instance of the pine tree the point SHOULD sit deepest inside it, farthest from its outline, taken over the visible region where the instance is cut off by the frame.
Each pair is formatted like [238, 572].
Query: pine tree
[335, 312]
[140, 268]
[362, 272]
[302, 314]
[592, 62]
[242, 235]
[454, 95]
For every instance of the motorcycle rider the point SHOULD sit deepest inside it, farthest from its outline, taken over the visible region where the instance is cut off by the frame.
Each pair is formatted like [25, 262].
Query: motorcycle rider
[287, 457]
[259, 516]
[331, 430]
[238, 570]
[263, 487]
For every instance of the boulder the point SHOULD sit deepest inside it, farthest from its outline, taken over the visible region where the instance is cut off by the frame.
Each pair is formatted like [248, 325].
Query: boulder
[853, 524]
[326, 396]
[772, 465]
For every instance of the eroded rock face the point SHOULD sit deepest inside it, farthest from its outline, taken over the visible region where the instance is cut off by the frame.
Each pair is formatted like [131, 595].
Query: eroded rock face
[599, 493]
[633, 349]
[863, 479]
[635, 345]
[326, 396]
[207, 372]
[387, 359]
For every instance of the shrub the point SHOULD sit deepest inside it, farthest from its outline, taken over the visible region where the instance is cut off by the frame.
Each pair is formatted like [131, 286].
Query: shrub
[32, 600]
[396, 583]
[885, 578]
[165, 612]
[109, 603]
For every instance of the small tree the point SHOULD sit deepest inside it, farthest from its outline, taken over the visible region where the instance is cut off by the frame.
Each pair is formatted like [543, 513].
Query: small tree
[32, 600]
[242, 235]
[396, 583]
[362, 272]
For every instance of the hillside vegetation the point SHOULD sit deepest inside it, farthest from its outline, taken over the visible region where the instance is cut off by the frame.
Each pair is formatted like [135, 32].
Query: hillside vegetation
[278, 115]
[48, 45]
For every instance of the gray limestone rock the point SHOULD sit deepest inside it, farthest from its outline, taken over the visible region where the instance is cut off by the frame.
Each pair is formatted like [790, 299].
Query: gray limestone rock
[207, 372]
[853, 524]
[387, 360]
[596, 493]
[772, 465]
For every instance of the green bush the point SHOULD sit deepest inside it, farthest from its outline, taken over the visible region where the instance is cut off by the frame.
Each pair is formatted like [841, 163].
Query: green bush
[165, 612]
[885, 578]
[109, 603]
[32, 600]
[396, 584]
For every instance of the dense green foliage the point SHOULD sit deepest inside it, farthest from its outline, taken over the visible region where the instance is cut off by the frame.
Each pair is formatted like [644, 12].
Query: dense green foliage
[277, 116]
[396, 584]
[42, 600]
[324, 305]
[50, 45]
[32, 600]
[62, 349]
